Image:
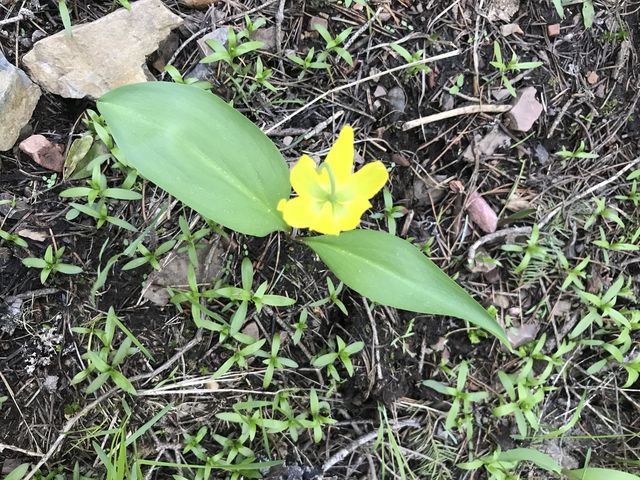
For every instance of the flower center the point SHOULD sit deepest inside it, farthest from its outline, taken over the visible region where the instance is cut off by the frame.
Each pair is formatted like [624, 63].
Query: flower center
[331, 195]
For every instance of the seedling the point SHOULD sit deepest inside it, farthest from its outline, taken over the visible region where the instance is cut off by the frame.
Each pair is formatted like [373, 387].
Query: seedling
[234, 447]
[13, 238]
[620, 245]
[333, 44]
[260, 78]
[273, 361]
[342, 352]
[390, 212]
[100, 213]
[50, 263]
[601, 308]
[177, 77]
[246, 294]
[300, 327]
[457, 85]
[332, 297]
[411, 58]
[319, 412]
[250, 27]
[152, 258]
[106, 362]
[249, 423]
[191, 239]
[232, 51]
[580, 152]
[294, 423]
[192, 443]
[604, 212]
[532, 250]
[576, 274]
[632, 196]
[512, 66]
[98, 189]
[307, 63]
[461, 402]
[239, 356]
[521, 401]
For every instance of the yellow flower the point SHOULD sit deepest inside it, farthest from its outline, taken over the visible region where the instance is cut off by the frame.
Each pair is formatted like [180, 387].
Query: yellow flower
[331, 198]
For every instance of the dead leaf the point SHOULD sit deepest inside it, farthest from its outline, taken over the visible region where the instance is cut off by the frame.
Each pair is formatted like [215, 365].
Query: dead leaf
[33, 235]
[523, 334]
[487, 145]
[174, 273]
[510, 29]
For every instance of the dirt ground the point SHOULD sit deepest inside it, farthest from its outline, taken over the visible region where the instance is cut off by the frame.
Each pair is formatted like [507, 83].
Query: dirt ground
[588, 85]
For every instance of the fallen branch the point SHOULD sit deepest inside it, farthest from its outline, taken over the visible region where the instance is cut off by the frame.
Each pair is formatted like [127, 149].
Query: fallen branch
[470, 110]
[363, 440]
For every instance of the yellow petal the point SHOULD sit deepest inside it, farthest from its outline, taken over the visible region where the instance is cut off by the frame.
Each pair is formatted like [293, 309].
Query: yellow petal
[300, 212]
[368, 181]
[304, 177]
[340, 157]
[325, 221]
[348, 215]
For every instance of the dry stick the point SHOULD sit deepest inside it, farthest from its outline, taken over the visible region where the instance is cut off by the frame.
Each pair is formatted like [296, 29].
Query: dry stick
[343, 452]
[358, 82]
[359, 32]
[527, 230]
[471, 109]
[4, 446]
[374, 331]
[73, 420]
[22, 14]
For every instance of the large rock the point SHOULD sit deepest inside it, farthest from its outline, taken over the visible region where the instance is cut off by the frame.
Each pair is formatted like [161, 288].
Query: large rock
[101, 55]
[18, 98]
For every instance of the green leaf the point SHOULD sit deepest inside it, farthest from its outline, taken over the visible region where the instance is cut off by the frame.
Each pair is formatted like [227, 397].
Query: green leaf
[588, 13]
[599, 474]
[392, 272]
[542, 460]
[19, 472]
[33, 262]
[202, 151]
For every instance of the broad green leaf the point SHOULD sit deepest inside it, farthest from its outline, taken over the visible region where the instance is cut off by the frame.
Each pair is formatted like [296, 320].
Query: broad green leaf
[392, 272]
[599, 474]
[77, 151]
[200, 150]
[540, 459]
[588, 13]
[18, 473]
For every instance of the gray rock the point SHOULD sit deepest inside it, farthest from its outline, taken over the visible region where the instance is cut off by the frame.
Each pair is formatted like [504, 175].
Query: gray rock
[18, 99]
[541, 154]
[104, 54]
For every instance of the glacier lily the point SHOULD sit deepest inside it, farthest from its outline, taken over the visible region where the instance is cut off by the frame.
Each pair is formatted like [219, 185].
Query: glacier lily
[331, 197]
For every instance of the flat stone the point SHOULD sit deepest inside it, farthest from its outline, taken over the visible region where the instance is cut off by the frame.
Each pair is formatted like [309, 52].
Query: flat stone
[45, 153]
[101, 55]
[503, 10]
[553, 30]
[525, 111]
[18, 99]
